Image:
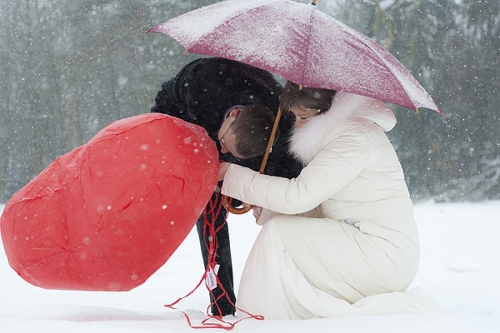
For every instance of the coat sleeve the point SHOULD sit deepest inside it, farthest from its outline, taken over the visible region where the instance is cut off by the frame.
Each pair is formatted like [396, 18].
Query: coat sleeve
[341, 161]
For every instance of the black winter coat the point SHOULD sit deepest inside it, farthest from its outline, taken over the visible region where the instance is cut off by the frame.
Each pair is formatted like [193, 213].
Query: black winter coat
[204, 89]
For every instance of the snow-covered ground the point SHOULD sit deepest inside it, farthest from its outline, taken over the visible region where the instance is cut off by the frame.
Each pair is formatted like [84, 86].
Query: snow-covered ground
[460, 269]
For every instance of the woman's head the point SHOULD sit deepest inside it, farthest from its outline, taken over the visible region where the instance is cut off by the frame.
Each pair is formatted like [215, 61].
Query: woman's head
[305, 103]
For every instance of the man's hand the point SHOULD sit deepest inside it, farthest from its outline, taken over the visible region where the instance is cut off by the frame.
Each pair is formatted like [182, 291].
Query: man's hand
[223, 166]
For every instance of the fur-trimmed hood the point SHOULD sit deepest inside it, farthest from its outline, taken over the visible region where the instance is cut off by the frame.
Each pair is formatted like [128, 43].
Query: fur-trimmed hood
[308, 140]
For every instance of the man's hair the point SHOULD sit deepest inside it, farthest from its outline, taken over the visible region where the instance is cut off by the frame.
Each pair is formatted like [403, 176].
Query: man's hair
[310, 98]
[253, 127]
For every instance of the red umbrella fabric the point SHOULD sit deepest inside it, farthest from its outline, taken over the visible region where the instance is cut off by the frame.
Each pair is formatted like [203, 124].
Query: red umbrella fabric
[300, 43]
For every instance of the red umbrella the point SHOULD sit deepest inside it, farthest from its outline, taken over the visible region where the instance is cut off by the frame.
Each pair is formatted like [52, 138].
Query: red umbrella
[300, 43]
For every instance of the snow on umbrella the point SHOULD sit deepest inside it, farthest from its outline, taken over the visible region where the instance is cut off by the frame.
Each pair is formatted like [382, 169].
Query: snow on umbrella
[300, 43]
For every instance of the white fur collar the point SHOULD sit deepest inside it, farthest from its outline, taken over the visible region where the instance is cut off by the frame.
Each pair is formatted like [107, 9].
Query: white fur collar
[308, 140]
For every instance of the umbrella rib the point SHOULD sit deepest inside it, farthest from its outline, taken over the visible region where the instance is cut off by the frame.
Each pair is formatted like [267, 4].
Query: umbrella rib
[308, 50]
[389, 67]
[217, 27]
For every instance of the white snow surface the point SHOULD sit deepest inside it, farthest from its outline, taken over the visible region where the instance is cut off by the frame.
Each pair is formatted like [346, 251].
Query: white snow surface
[460, 270]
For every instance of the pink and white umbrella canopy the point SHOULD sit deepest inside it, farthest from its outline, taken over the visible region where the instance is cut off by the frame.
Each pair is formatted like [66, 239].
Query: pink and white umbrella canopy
[300, 43]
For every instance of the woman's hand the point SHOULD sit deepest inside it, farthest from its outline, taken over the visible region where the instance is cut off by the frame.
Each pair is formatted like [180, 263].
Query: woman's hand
[257, 212]
[223, 166]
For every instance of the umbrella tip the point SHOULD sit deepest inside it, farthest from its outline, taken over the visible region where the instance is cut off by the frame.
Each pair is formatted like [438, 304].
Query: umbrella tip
[416, 111]
[313, 2]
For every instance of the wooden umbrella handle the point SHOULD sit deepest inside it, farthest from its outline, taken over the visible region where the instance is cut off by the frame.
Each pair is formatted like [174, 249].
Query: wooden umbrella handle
[235, 210]
[225, 199]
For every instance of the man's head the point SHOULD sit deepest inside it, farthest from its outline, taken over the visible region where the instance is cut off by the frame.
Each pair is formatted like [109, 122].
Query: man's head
[246, 130]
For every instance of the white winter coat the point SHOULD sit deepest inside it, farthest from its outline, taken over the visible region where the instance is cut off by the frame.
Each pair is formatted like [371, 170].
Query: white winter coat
[341, 231]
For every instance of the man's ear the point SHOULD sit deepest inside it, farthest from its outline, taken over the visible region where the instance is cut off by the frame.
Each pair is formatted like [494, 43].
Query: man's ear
[233, 113]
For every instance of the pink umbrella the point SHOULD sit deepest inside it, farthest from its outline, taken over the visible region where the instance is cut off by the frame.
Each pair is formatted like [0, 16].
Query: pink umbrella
[300, 43]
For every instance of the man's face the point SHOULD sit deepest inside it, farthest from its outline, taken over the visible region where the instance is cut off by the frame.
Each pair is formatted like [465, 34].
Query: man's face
[226, 135]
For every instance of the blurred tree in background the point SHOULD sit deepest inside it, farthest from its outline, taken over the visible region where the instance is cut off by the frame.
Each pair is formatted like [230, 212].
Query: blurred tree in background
[71, 67]
[453, 49]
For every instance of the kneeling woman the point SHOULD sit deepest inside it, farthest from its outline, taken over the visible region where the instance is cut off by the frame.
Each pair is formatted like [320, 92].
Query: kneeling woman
[340, 232]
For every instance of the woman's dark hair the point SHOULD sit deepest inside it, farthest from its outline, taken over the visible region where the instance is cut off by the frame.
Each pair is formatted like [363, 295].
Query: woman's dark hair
[310, 98]
[253, 127]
